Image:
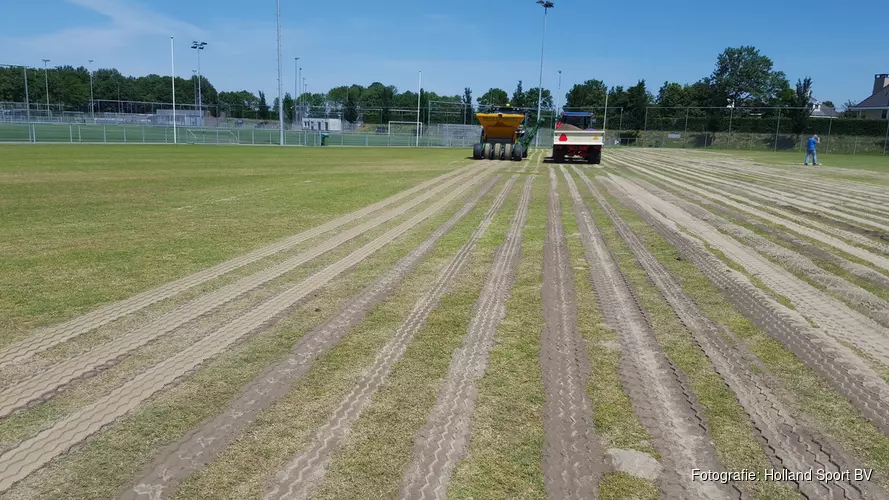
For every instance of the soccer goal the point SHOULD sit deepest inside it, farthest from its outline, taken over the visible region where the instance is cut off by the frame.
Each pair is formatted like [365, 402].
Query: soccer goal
[404, 133]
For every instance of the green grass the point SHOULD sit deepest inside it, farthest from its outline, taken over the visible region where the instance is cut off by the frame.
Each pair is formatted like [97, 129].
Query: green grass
[86, 224]
[504, 458]
[876, 163]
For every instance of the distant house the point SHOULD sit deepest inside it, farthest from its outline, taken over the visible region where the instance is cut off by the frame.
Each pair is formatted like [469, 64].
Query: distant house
[819, 110]
[876, 107]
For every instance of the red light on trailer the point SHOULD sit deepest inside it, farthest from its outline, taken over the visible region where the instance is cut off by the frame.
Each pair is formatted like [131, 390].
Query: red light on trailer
[563, 138]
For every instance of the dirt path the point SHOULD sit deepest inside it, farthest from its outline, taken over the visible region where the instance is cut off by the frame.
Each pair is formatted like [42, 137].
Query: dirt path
[443, 441]
[35, 452]
[197, 448]
[44, 339]
[653, 383]
[849, 374]
[105, 355]
[573, 460]
[304, 473]
[788, 444]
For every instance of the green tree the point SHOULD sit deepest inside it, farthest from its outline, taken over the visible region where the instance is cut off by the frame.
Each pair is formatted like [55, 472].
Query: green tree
[518, 97]
[289, 109]
[263, 106]
[745, 77]
[494, 97]
[350, 111]
[829, 104]
[638, 100]
[799, 101]
[589, 94]
[467, 105]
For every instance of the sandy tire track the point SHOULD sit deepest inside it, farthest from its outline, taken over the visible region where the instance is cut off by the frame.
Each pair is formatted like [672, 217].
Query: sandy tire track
[198, 447]
[831, 315]
[788, 221]
[844, 370]
[35, 452]
[304, 473]
[46, 382]
[788, 444]
[45, 338]
[444, 439]
[656, 387]
[573, 460]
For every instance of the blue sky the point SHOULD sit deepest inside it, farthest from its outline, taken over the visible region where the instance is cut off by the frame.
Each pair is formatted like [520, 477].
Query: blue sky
[480, 44]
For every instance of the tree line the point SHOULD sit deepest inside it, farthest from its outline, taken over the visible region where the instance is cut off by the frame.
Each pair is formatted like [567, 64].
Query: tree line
[742, 79]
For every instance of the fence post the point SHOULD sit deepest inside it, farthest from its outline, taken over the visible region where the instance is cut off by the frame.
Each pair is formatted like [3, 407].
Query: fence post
[239, 137]
[79, 137]
[104, 133]
[70, 134]
[366, 140]
[730, 117]
[165, 135]
[886, 140]
[685, 133]
[776, 130]
[253, 137]
[829, 127]
[217, 136]
[621, 124]
[125, 134]
[143, 134]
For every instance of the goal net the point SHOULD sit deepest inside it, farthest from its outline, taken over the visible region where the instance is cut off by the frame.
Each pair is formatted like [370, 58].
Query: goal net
[404, 133]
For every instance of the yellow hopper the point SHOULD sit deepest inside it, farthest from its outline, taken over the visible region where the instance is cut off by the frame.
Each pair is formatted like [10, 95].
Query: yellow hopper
[501, 131]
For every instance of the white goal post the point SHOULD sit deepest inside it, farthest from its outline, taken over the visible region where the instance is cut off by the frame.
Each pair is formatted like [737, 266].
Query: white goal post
[412, 131]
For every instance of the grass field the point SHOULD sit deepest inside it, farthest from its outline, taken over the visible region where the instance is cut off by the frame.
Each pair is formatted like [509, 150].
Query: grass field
[192, 322]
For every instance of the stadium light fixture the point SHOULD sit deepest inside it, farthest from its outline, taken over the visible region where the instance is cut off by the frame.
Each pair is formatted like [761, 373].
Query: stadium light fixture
[199, 46]
[546, 6]
[46, 80]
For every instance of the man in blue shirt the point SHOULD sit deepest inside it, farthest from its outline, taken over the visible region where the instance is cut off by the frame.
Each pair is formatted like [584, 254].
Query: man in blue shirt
[810, 150]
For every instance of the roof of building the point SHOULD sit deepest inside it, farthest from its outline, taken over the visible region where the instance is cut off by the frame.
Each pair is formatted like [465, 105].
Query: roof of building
[825, 112]
[880, 100]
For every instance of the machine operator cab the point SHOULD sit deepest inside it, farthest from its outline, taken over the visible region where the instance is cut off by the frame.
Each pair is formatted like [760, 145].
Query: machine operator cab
[577, 120]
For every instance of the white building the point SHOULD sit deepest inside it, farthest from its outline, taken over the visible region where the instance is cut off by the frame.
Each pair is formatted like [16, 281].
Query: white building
[323, 124]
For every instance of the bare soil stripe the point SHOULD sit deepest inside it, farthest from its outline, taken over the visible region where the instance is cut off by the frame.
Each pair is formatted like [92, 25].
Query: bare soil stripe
[654, 385]
[784, 221]
[771, 195]
[302, 475]
[804, 217]
[444, 439]
[848, 373]
[788, 444]
[816, 190]
[48, 381]
[35, 452]
[199, 447]
[573, 461]
[857, 297]
[44, 339]
[830, 314]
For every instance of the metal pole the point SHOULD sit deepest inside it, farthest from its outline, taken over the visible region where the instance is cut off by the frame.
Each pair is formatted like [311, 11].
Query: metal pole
[685, 133]
[829, 127]
[621, 125]
[46, 79]
[280, 81]
[419, 94]
[777, 128]
[730, 117]
[645, 128]
[92, 107]
[295, 89]
[173, 83]
[546, 7]
[28, 105]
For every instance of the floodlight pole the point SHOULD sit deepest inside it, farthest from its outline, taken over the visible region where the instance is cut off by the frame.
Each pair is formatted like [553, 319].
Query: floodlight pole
[295, 88]
[419, 94]
[559, 95]
[199, 46]
[280, 82]
[27, 97]
[173, 83]
[546, 6]
[46, 80]
[92, 101]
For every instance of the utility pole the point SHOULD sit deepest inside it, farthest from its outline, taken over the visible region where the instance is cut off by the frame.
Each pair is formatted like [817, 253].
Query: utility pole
[295, 88]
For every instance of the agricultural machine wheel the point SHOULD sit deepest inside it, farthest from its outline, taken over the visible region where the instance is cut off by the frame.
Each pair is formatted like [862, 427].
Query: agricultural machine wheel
[518, 151]
[558, 156]
[595, 157]
[524, 152]
[489, 151]
[507, 152]
[478, 151]
[498, 151]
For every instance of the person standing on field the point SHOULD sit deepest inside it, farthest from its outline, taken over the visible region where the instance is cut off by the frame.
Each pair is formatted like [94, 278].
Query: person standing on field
[810, 150]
